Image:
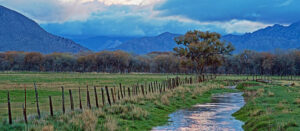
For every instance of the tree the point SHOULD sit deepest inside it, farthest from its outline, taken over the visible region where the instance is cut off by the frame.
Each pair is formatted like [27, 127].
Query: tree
[33, 61]
[59, 62]
[15, 59]
[203, 48]
[121, 61]
[166, 63]
[246, 59]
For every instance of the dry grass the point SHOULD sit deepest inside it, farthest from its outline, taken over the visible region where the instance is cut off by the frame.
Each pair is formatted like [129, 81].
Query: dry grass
[86, 120]
[286, 82]
[260, 92]
[286, 110]
[297, 101]
[270, 94]
[281, 104]
[165, 99]
[48, 128]
[111, 124]
[256, 112]
[138, 113]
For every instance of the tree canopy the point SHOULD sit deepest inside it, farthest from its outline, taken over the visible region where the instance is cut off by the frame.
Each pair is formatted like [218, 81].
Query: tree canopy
[202, 49]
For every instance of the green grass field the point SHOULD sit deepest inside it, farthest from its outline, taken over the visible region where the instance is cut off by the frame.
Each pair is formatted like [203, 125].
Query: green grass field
[269, 106]
[49, 84]
[136, 113]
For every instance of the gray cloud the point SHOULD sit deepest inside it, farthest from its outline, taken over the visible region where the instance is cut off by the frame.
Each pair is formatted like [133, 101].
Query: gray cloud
[141, 17]
[270, 11]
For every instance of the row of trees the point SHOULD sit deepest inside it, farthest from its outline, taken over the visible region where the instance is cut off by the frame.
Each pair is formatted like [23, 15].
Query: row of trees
[104, 61]
[247, 62]
[263, 63]
[198, 52]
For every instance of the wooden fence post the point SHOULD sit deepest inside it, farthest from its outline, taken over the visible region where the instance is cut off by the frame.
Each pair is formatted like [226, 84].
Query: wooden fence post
[80, 103]
[88, 97]
[160, 88]
[25, 101]
[63, 99]
[24, 114]
[103, 98]
[9, 108]
[37, 101]
[145, 88]
[152, 88]
[113, 95]
[119, 95]
[107, 93]
[121, 90]
[71, 100]
[24, 106]
[50, 105]
[124, 91]
[96, 97]
[142, 86]
[128, 91]
[149, 88]
[155, 86]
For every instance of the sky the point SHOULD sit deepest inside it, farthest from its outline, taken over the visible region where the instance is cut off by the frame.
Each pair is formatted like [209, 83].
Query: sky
[153, 17]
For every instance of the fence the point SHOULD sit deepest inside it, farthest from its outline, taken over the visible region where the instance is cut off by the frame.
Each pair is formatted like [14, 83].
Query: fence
[108, 95]
[97, 97]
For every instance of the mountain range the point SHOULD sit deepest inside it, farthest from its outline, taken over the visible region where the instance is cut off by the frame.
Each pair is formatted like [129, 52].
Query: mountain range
[161, 43]
[19, 33]
[98, 43]
[268, 39]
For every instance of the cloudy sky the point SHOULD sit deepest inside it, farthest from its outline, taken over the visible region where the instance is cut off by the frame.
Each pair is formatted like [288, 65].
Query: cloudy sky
[152, 17]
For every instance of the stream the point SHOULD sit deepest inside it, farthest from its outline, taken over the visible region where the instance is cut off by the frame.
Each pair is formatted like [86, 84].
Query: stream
[214, 116]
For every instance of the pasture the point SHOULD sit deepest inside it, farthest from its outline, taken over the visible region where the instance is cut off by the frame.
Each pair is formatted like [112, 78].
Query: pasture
[137, 110]
[49, 84]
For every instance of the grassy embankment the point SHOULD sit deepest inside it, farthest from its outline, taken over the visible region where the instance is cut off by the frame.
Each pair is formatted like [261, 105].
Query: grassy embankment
[135, 113]
[274, 106]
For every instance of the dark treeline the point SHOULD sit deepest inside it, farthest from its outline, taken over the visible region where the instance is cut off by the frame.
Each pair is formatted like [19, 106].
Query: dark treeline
[248, 62]
[263, 63]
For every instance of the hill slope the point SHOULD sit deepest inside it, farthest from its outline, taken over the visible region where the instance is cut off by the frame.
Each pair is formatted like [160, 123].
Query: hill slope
[19, 33]
[99, 43]
[162, 42]
[268, 39]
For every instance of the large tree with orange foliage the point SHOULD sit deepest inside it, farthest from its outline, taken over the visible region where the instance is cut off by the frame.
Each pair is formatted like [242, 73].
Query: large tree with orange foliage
[202, 48]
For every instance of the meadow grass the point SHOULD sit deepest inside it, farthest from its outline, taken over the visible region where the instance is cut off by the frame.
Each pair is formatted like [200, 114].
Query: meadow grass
[135, 113]
[270, 106]
[49, 84]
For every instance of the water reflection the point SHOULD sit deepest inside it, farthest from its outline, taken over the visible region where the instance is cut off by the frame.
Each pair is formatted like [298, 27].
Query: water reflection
[215, 116]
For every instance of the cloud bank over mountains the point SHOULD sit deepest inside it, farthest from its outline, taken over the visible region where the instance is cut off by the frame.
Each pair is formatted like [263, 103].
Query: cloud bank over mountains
[152, 17]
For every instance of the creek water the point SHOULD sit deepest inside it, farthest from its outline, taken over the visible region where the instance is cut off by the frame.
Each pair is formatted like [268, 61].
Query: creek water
[214, 116]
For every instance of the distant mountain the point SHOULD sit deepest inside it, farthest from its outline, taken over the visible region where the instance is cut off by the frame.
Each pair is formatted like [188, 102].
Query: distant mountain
[162, 42]
[98, 43]
[268, 39]
[19, 33]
